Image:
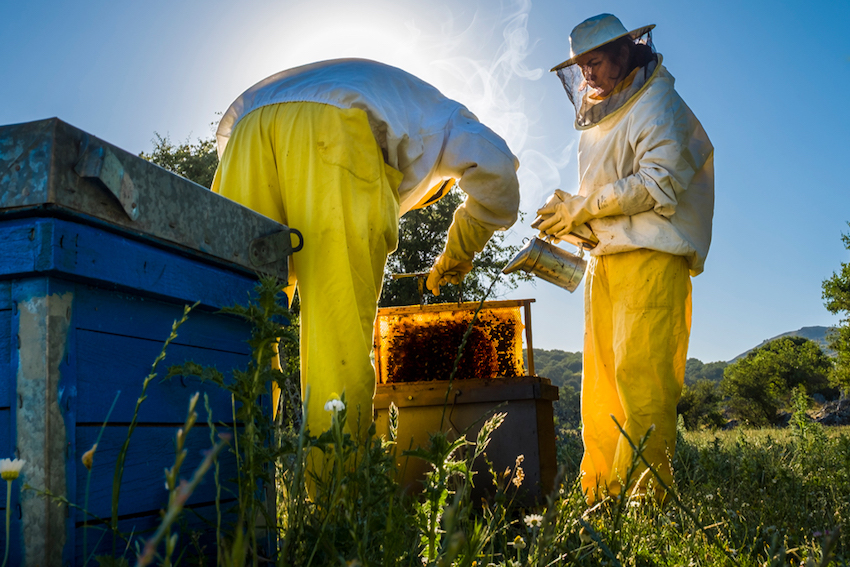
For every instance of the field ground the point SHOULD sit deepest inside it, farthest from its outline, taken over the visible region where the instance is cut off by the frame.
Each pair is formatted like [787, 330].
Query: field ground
[747, 496]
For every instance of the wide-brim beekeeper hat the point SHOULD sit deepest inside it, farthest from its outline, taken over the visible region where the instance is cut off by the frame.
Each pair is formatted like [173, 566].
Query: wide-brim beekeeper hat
[595, 32]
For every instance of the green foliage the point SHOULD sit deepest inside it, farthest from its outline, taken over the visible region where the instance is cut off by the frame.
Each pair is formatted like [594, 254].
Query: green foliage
[761, 382]
[352, 511]
[839, 342]
[195, 161]
[699, 405]
[695, 370]
[421, 236]
[562, 368]
[567, 408]
[764, 492]
[836, 296]
[807, 433]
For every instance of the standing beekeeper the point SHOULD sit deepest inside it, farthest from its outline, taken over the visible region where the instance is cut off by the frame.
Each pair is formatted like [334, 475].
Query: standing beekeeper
[340, 150]
[646, 190]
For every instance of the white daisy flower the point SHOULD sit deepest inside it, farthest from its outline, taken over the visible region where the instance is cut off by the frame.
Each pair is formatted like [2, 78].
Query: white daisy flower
[533, 520]
[10, 469]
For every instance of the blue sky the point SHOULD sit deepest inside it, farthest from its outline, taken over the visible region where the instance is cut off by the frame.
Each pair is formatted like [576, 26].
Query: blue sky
[768, 80]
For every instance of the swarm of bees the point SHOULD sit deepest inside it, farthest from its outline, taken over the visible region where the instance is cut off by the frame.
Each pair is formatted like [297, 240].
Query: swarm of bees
[424, 349]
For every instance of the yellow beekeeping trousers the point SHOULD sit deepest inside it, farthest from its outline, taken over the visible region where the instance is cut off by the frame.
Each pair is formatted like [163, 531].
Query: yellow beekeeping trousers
[318, 168]
[637, 325]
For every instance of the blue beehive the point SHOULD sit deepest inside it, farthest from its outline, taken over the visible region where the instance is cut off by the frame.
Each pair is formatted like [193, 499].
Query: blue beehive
[99, 252]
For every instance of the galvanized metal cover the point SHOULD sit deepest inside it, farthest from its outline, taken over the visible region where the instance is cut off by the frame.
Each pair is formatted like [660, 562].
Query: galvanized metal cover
[50, 168]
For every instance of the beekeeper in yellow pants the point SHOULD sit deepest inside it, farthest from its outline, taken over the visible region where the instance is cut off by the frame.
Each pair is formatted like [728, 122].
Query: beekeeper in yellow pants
[340, 150]
[646, 190]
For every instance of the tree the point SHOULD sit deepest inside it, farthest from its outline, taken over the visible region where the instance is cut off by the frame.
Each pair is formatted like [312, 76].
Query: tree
[567, 408]
[695, 370]
[836, 295]
[761, 382]
[699, 405]
[196, 162]
[562, 368]
[421, 236]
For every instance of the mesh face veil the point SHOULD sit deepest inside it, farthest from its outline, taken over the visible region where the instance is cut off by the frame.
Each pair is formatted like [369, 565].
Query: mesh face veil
[592, 108]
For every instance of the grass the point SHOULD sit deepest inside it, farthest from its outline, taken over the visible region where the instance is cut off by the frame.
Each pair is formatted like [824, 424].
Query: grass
[747, 497]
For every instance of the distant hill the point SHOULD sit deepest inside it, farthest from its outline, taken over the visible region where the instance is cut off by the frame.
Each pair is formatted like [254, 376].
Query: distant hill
[564, 368]
[816, 334]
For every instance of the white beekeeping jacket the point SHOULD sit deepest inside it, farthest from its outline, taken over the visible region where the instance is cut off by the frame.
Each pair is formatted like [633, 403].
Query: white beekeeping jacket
[653, 144]
[424, 135]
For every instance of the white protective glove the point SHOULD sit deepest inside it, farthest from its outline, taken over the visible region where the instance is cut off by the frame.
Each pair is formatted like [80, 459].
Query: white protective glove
[447, 270]
[563, 212]
[466, 238]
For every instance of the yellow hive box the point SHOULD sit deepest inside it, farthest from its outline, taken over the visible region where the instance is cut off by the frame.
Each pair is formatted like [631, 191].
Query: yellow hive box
[415, 351]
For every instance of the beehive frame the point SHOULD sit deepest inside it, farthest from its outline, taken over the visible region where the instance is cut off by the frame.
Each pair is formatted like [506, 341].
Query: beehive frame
[389, 317]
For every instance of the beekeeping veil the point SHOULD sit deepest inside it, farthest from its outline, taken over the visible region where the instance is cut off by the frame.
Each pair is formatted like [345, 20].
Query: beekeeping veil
[594, 33]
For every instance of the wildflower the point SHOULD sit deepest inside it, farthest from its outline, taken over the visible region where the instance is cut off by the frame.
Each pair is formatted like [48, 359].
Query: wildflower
[533, 521]
[10, 469]
[520, 474]
[334, 406]
[517, 543]
[88, 457]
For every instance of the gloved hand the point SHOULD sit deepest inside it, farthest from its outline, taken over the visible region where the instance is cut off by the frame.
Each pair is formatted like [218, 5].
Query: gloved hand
[447, 270]
[563, 212]
[466, 238]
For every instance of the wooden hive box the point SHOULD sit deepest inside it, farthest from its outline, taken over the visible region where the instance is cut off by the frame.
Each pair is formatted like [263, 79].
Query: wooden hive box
[99, 252]
[415, 349]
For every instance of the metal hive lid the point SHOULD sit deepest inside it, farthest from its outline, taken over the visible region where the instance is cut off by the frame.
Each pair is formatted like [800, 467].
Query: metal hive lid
[50, 168]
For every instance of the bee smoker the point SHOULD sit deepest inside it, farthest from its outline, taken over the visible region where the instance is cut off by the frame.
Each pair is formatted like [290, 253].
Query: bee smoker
[549, 262]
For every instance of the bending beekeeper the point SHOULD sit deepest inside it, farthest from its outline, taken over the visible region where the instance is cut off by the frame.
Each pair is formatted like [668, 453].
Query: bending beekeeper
[646, 190]
[340, 150]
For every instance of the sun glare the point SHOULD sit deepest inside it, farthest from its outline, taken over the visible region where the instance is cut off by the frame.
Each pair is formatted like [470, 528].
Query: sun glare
[373, 37]
[477, 57]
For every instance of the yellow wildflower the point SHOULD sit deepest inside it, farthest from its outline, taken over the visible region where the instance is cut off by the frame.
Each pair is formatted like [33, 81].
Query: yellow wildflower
[88, 457]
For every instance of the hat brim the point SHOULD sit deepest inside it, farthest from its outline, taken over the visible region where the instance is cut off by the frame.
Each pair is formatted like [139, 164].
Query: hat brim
[634, 34]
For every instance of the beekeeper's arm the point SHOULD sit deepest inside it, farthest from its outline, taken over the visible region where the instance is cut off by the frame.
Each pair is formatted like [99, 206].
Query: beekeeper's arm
[665, 168]
[486, 171]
